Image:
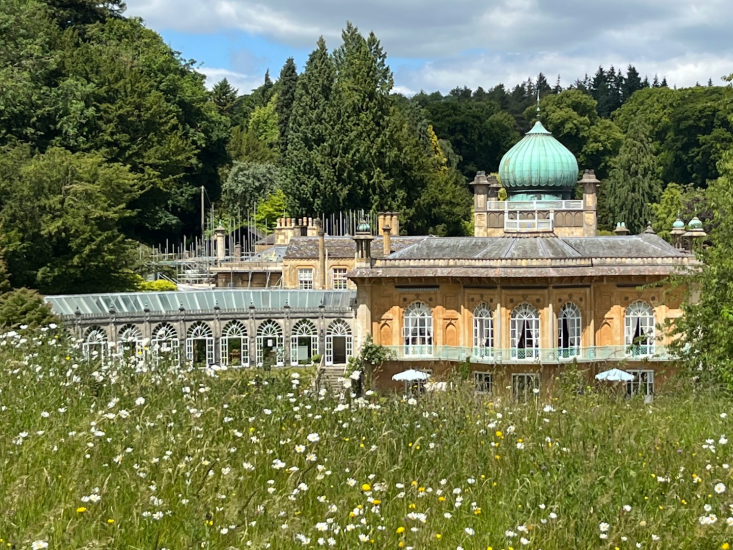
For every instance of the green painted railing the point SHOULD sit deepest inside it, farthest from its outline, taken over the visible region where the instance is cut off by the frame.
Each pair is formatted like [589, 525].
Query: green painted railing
[514, 355]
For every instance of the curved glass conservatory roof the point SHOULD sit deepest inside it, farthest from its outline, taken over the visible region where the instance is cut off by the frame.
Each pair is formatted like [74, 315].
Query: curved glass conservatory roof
[200, 300]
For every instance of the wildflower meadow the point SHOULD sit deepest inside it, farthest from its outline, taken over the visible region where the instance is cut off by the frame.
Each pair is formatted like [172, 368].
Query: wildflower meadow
[143, 454]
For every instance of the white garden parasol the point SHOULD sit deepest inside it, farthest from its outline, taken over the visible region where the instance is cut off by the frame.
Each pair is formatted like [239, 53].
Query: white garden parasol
[615, 375]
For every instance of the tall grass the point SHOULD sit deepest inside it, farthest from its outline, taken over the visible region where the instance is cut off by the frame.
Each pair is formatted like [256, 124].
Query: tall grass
[139, 456]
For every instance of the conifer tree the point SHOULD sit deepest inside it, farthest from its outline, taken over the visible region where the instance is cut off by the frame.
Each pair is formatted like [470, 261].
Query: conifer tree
[361, 112]
[286, 97]
[309, 180]
[224, 96]
[634, 184]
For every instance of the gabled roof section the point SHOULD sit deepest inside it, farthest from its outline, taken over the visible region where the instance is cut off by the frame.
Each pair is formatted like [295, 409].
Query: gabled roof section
[496, 248]
[344, 247]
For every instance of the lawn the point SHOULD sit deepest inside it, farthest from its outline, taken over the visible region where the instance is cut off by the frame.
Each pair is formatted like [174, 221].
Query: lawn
[146, 456]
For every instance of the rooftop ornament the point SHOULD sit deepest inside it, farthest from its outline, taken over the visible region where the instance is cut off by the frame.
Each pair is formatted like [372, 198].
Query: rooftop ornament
[621, 229]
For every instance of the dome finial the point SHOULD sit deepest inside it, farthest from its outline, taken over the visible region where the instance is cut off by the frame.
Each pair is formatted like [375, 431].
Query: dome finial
[538, 103]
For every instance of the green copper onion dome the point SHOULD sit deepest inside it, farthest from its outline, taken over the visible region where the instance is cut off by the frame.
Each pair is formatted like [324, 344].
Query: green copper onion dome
[678, 224]
[695, 223]
[538, 167]
[363, 227]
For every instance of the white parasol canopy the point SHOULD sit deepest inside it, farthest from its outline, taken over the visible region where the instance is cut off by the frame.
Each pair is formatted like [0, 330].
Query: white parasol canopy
[410, 376]
[615, 375]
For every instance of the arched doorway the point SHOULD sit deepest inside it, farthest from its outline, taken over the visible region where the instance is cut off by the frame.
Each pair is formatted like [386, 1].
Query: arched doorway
[483, 331]
[339, 343]
[234, 345]
[200, 345]
[569, 331]
[164, 343]
[418, 330]
[303, 343]
[95, 345]
[270, 343]
[129, 342]
[524, 332]
[639, 329]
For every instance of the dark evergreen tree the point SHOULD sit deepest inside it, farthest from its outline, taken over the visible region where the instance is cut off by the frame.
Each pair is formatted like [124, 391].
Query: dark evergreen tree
[664, 83]
[361, 109]
[70, 13]
[558, 87]
[309, 179]
[634, 183]
[224, 96]
[632, 83]
[542, 85]
[285, 98]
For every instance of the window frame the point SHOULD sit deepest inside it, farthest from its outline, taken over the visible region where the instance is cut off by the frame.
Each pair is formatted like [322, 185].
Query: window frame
[483, 322]
[483, 382]
[527, 391]
[341, 279]
[520, 314]
[418, 330]
[645, 321]
[305, 283]
[573, 317]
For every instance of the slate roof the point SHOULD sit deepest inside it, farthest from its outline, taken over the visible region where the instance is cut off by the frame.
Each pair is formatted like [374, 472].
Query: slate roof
[496, 248]
[345, 247]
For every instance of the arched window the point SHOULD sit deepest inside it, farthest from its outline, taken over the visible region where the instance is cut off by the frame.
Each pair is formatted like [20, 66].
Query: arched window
[339, 343]
[569, 330]
[303, 343]
[483, 331]
[525, 332]
[270, 343]
[639, 329]
[95, 343]
[130, 341]
[418, 329]
[200, 345]
[234, 345]
[164, 342]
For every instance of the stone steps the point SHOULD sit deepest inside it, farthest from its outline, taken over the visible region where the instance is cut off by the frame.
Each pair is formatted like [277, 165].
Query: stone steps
[330, 378]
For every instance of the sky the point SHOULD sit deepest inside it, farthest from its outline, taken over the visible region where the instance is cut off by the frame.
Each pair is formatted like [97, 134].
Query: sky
[439, 45]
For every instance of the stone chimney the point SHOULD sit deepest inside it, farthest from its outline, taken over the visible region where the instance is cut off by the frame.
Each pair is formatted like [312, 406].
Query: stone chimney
[394, 224]
[386, 240]
[590, 203]
[480, 186]
[621, 229]
[321, 255]
[221, 250]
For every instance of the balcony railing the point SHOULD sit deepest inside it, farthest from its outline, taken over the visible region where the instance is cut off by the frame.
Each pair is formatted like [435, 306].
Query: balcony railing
[506, 206]
[522, 355]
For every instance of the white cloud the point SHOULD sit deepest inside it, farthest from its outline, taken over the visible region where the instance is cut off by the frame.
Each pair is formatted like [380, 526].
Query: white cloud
[245, 83]
[686, 40]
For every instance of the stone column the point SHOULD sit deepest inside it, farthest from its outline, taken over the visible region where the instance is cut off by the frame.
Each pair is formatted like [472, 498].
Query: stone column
[590, 203]
[363, 315]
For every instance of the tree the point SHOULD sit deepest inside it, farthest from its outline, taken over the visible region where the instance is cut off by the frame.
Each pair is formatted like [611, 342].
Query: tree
[286, 97]
[264, 124]
[244, 146]
[249, 184]
[224, 96]
[272, 208]
[24, 307]
[632, 83]
[572, 118]
[307, 165]
[70, 13]
[360, 111]
[702, 335]
[634, 184]
[61, 214]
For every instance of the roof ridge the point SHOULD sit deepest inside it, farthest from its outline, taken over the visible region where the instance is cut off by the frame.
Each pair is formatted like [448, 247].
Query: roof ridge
[511, 246]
